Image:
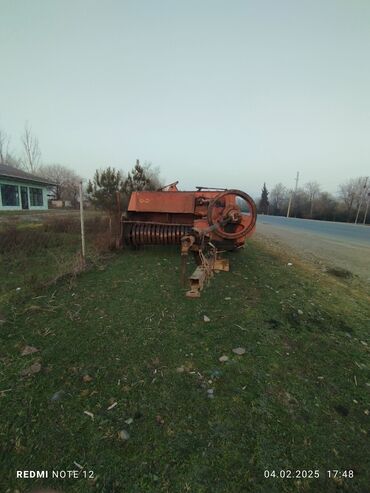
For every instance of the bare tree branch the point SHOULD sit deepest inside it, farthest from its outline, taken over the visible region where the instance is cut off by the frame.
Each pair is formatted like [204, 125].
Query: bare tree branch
[4, 146]
[312, 188]
[31, 149]
[350, 194]
[67, 181]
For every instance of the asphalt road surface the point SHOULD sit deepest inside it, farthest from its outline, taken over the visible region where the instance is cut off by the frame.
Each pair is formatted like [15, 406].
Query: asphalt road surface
[347, 232]
[334, 244]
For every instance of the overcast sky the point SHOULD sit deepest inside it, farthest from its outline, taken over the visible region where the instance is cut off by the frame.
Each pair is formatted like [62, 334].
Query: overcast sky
[216, 92]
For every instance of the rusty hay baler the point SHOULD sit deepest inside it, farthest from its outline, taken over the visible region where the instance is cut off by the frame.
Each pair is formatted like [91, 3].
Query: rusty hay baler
[205, 222]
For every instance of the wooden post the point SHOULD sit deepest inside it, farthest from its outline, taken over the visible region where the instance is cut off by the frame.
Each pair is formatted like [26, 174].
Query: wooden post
[118, 199]
[83, 248]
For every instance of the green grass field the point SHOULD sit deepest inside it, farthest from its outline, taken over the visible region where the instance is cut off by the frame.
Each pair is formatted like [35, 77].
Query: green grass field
[34, 254]
[124, 333]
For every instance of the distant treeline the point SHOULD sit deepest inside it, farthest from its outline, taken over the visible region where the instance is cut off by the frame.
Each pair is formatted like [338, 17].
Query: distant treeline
[311, 202]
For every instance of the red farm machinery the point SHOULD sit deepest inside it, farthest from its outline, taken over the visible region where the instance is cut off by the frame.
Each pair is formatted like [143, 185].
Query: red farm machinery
[206, 222]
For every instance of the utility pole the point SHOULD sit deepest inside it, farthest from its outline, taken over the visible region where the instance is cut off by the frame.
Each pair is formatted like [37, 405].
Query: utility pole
[367, 207]
[361, 199]
[292, 195]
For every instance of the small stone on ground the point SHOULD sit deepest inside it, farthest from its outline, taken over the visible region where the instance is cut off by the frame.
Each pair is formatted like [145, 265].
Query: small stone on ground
[239, 351]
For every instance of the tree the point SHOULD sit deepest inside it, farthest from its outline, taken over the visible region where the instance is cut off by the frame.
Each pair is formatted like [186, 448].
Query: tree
[279, 198]
[7, 156]
[4, 147]
[31, 150]
[11, 160]
[67, 181]
[325, 207]
[141, 178]
[153, 174]
[137, 180]
[312, 188]
[264, 200]
[350, 194]
[102, 191]
[361, 196]
[301, 203]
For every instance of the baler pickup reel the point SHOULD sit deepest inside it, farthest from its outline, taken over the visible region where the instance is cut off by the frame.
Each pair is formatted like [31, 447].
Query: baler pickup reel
[206, 223]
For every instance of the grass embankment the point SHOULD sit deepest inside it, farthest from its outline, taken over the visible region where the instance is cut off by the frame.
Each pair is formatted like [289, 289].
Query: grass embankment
[38, 262]
[34, 254]
[297, 398]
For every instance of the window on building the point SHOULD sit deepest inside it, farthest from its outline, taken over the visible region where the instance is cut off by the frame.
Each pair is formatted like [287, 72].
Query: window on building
[9, 195]
[36, 197]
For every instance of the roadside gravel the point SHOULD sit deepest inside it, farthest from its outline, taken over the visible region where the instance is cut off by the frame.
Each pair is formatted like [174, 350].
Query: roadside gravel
[321, 250]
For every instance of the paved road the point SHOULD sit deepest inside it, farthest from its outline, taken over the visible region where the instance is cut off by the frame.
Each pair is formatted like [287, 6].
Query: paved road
[349, 233]
[332, 244]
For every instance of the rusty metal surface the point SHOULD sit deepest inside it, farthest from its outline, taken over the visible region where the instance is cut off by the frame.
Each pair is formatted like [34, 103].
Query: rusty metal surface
[169, 202]
[230, 214]
[221, 264]
[203, 222]
[138, 233]
[197, 281]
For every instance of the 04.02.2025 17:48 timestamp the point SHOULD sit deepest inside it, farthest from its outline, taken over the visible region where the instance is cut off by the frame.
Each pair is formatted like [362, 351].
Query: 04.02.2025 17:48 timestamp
[308, 474]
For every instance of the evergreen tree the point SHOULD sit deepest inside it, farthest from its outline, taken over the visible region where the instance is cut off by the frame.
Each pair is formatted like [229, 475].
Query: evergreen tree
[102, 191]
[137, 180]
[264, 201]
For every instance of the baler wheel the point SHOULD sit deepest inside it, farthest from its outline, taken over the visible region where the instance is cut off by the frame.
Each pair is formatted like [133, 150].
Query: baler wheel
[220, 224]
